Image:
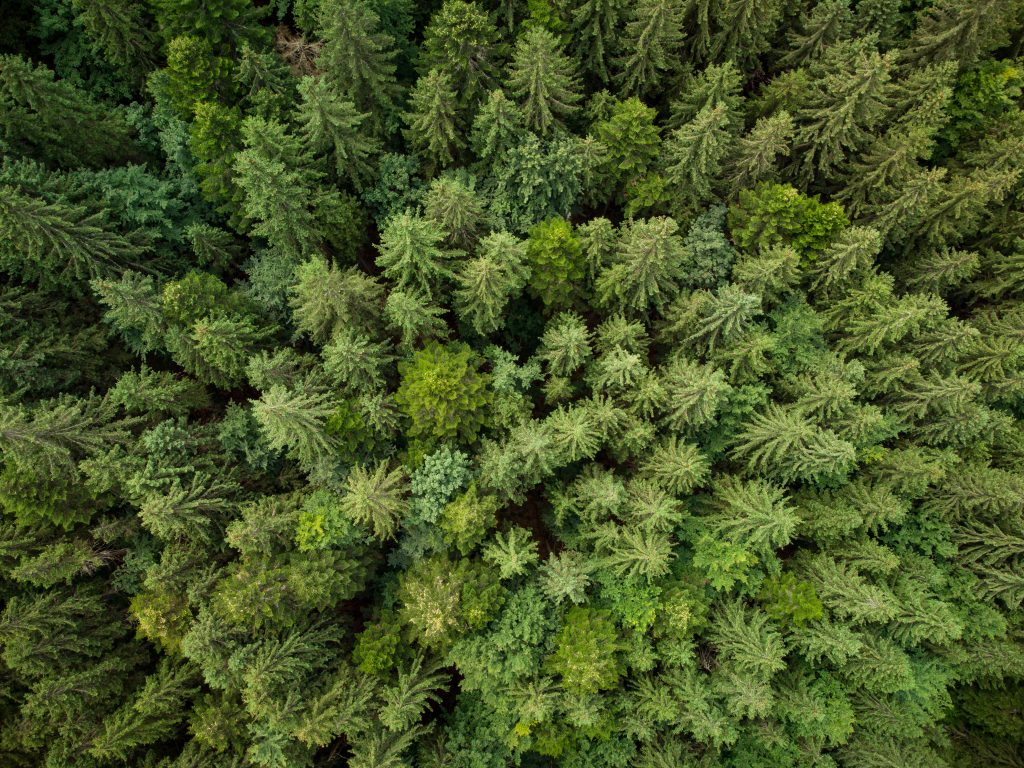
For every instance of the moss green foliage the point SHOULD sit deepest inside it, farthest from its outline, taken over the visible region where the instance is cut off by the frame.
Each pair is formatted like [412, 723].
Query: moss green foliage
[444, 393]
[511, 384]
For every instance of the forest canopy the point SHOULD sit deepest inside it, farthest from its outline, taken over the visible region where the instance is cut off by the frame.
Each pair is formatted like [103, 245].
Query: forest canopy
[499, 383]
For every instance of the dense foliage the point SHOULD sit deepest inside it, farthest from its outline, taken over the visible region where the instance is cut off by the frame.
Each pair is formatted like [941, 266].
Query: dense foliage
[484, 383]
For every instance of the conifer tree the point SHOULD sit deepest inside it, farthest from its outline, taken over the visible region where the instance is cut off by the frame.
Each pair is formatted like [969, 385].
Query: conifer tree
[462, 42]
[498, 126]
[455, 205]
[756, 154]
[595, 34]
[953, 30]
[334, 126]
[375, 499]
[53, 243]
[695, 152]
[488, 282]
[630, 138]
[47, 119]
[650, 45]
[745, 28]
[646, 269]
[118, 31]
[844, 105]
[544, 80]
[824, 25]
[296, 419]
[411, 255]
[432, 120]
[280, 189]
[358, 59]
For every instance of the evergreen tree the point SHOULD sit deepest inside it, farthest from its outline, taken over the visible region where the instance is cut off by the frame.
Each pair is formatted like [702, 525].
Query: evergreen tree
[695, 153]
[498, 126]
[645, 272]
[118, 31]
[756, 154]
[462, 42]
[650, 45]
[952, 30]
[46, 119]
[844, 105]
[411, 256]
[595, 34]
[827, 23]
[51, 244]
[296, 419]
[745, 28]
[454, 204]
[488, 282]
[334, 126]
[375, 499]
[357, 59]
[432, 120]
[631, 139]
[543, 79]
[281, 190]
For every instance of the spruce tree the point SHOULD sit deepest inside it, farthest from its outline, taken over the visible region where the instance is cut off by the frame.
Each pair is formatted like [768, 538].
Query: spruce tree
[433, 129]
[543, 79]
[358, 59]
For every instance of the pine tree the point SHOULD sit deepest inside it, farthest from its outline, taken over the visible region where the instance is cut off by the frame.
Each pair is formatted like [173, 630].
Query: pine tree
[695, 153]
[355, 362]
[694, 394]
[456, 206]
[412, 693]
[462, 42]
[784, 444]
[566, 344]
[747, 640]
[753, 514]
[411, 255]
[325, 298]
[544, 80]
[650, 45]
[585, 652]
[357, 60]
[719, 85]
[676, 466]
[488, 282]
[433, 129]
[152, 716]
[554, 256]
[54, 244]
[888, 164]
[646, 270]
[595, 34]
[511, 552]
[443, 393]
[630, 137]
[330, 125]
